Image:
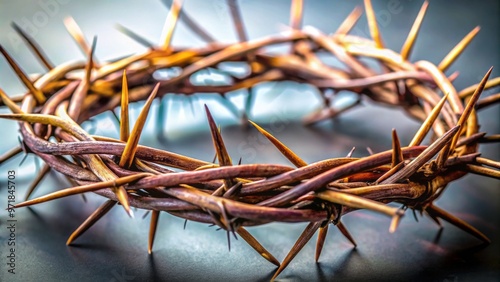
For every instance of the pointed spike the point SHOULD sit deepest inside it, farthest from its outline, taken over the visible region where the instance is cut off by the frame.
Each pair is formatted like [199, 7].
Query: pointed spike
[349, 155]
[83, 189]
[435, 219]
[414, 215]
[196, 28]
[220, 147]
[237, 20]
[77, 34]
[33, 45]
[289, 154]
[128, 154]
[152, 229]
[466, 92]
[470, 107]
[75, 104]
[170, 24]
[122, 196]
[350, 21]
[91, 220]
[357, 202]
[124, 116]
[145, 214]
[394, 223]
[257, 246]
[372, 24]
[233, 190]
[457, 50]
[301, 242]
[484, 171]
[10, 154]
[135, 36]
[397, 153]
[425, 156]
[427, 124]
[37, 93]
[346, 233]
[38, 179]
[321, 241]
[222, 155]
[410, 40]
[390, 172]
[296, 14]
[13, 107]
[488, 101]
[488, 162]
[438, 212]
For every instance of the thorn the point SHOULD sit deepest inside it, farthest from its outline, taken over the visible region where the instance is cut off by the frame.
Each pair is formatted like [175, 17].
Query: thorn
[425, 156]
[427, 124]
[10, 154]
[484, 171]
[370, 151]
[488, 101]
[237, 20]
[435, 219]
[233, 190]
[34, 46]
[91, 220]
[349, 155]
[390, 172]
[356, 202]
[257, 246]
[395, 222]
[124, 116]
[301, 242]
[152, 229]
[372, 24]
[77, 34]
[321, 241]
[45, 169]
[289, 154]
[170, 23]
[346, 233]
[128, 154]
[457, 50]
[196, 28]
[135, 36]
[470, 107]
[296, 14]
[83, 189]
[37, 93]
[397, 154]
[122, 196]
[220, 147]
[77, 99]
[431, 209]
[415, 215]
[350, 21]
[13, 107]
[410, 40]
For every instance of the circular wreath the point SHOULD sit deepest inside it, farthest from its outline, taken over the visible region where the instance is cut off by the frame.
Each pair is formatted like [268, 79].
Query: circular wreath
[234, 196]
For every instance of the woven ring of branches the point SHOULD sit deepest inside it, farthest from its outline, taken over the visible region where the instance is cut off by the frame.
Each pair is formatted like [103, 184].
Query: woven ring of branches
[234, 196]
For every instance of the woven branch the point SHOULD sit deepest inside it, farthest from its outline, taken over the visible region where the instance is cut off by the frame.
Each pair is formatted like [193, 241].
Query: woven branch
[234, 196]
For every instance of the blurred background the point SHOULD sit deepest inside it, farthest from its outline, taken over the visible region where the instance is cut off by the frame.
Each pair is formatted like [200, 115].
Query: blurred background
[115, 248]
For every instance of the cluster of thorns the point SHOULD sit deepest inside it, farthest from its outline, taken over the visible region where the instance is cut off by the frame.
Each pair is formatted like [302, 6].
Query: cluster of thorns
[235, 196]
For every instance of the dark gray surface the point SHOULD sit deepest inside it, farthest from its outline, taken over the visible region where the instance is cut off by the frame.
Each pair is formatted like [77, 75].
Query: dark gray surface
[115, 248]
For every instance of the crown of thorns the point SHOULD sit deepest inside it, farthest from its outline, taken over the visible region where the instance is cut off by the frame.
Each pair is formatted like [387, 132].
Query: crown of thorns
[235, 196]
